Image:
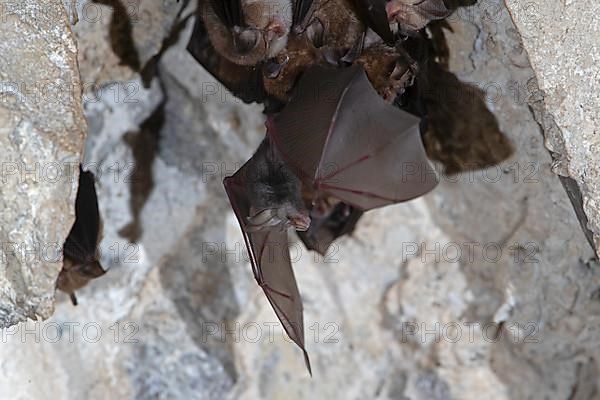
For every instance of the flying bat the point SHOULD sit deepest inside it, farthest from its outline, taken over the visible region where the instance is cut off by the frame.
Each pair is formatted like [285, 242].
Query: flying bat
[352, 153]
[80, 251]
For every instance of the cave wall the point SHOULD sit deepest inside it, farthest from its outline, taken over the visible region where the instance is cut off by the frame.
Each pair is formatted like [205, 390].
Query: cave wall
[484, 288]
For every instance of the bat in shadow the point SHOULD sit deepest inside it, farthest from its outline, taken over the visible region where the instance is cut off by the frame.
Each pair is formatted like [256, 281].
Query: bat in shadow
[80, 251]
[351, 153]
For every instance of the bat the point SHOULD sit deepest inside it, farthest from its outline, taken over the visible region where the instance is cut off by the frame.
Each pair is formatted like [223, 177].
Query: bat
[353, 153]
[389, 69]
[274, 192]
[247, 32]
[80, 251]
[323, 32]
[269, 257]
[245, 82]
[357, 148]
[374, 14]
[413, 15]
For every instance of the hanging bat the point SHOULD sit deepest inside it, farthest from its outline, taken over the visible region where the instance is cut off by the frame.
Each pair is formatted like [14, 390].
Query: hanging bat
[322, 32]
[80, 251]
[413, 15]
[374, 14]
[352, 149]
[245, 82]
[247, 32]
[267, 242]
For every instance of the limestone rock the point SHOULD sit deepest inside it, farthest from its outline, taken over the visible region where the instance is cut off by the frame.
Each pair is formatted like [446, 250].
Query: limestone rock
[561, 40]
[42, 129]
[484, 288]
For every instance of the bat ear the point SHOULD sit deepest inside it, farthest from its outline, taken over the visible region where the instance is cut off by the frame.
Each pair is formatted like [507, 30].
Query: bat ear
[245, 40]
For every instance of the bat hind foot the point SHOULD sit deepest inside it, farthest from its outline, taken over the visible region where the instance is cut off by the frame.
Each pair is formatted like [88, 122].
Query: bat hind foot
[402, 76]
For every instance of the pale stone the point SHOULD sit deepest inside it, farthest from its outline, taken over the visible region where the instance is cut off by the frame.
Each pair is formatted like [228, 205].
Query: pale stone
[42, 129]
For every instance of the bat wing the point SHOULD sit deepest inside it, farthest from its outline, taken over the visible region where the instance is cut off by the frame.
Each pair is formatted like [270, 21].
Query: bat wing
[373, 14]
[229, 12]
[271, 264]
[416, 14]
[325, 230]
[244, 82]
[82, 242]
[355, 147]
[454, 4]
[302, 10]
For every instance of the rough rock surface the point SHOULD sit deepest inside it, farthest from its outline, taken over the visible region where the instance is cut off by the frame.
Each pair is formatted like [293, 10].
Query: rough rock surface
[42, 129]
[483, 289]
[563, 43]
[119, 38]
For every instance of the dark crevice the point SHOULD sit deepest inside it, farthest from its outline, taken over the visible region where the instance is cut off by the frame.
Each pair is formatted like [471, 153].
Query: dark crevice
[576, 198]
[571, 186]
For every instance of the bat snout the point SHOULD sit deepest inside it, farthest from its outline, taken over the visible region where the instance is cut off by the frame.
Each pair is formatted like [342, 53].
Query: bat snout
[300, 222]
[275, 29]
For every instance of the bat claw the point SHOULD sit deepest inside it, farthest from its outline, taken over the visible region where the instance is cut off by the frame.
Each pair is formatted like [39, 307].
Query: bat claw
[273, 67]
[300, 222]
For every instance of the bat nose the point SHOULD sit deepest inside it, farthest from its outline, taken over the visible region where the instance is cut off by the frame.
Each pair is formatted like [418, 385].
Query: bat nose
[275, 29]
[300, 222]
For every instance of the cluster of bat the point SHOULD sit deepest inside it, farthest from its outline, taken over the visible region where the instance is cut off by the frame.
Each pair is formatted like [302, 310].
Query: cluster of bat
[358, 98]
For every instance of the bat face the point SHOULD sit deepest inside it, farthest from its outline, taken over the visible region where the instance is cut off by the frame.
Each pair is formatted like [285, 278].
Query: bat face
[413, 15]
[247, 32]
[274, 192]
[281, 218]
[80, 251]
